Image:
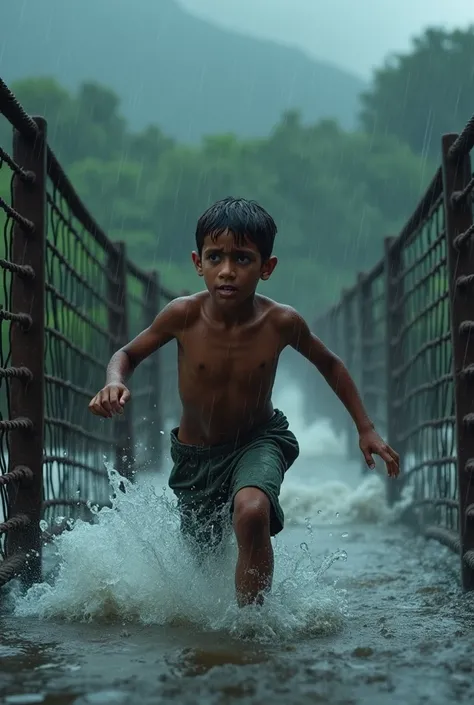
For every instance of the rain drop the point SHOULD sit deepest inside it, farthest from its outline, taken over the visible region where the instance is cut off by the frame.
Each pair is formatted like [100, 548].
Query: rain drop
[345, 535]
[43, 525]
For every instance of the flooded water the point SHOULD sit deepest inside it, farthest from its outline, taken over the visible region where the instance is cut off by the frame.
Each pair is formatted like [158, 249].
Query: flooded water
[361, 610]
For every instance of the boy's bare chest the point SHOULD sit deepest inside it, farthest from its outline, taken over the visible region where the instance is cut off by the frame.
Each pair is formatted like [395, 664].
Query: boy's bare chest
[243, 358]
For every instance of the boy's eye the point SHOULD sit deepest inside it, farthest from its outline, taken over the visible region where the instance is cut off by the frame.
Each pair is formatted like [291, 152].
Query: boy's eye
[216, 257]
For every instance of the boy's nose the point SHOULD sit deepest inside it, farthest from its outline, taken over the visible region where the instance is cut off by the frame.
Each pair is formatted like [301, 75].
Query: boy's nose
[227, 270]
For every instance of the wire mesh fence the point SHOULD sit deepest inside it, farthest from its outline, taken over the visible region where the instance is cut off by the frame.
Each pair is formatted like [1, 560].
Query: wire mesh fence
[78, 346]
[70, 299]
[372, 326]
[406, 333]
[424, 382]
[6, 225]
[16, 321]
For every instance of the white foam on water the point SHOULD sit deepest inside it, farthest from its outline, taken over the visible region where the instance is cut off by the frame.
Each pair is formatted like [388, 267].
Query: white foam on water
[133, 564]
[338, 503]
[307, 496]
[315, 438]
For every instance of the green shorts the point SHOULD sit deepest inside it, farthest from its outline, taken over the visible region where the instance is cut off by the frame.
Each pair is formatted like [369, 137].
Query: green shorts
[206, 479]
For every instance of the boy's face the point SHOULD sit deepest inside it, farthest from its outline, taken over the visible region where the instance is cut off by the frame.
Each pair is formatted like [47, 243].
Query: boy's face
[231, 271]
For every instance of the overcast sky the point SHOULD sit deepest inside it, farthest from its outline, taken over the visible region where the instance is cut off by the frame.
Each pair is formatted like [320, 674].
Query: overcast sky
[355, 34]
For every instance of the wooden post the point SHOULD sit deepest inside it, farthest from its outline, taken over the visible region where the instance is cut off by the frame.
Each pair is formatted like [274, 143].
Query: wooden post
[460, 265]
[27, 349]
[365, 353]
[118, 327]
[394, 317]
[155, 399]
[349, 341]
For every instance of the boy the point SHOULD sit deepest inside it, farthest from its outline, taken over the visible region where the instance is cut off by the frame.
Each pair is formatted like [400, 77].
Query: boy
[231, 444]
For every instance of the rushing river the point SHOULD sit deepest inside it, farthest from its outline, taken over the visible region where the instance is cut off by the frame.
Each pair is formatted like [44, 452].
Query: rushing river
[361, 611]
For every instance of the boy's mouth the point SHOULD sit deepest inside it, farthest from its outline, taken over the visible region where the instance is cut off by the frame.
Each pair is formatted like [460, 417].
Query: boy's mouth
[227, 290]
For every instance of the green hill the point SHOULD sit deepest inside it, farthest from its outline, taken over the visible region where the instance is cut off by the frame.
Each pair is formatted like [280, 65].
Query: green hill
[171, 68]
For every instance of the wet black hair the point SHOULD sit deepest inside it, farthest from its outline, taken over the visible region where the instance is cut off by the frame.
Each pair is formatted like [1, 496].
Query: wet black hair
[243, 219]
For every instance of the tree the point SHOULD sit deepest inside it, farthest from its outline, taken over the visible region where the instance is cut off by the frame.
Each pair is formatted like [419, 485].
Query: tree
[423, 94]
[334, 194]
[87, 124]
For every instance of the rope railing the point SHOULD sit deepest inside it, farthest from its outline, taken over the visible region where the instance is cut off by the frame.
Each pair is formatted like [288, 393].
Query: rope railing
[406, 333]
[71, 297]
[65, 310]
[13, 225]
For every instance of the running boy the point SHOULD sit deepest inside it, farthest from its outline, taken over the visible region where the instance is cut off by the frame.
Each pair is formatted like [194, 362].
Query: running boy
[231, 445]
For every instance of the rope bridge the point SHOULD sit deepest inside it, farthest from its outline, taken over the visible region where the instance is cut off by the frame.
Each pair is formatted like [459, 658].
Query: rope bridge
[406, 333]
[70, 298]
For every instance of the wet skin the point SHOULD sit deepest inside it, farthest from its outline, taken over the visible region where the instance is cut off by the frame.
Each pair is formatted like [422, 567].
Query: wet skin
[229, 341]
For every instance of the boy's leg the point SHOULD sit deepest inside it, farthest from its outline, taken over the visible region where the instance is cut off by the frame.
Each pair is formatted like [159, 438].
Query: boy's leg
[257, 515]
[254, 570]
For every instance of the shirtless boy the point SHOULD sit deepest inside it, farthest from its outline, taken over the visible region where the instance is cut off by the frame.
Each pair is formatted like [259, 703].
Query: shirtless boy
[232, 447]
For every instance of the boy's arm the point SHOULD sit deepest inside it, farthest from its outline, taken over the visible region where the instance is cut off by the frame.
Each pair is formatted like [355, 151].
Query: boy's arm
[114, 395]
[298, 335]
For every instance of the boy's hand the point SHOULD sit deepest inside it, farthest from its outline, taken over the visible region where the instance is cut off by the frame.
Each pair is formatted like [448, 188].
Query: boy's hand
[110, 400]
[370, 442]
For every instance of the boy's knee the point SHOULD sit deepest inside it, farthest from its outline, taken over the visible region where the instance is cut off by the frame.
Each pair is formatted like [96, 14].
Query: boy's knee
[251, 514]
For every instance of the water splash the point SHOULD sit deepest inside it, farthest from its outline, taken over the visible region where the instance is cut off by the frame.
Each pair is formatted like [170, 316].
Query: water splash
[339, 503]
[132, 564]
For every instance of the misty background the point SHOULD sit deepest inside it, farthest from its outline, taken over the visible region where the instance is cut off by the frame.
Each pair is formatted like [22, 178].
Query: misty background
[328, 113]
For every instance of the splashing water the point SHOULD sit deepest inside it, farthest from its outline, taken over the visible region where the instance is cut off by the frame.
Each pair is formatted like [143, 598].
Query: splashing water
[132, 564]
[315, 438]
[310, 496]
[337, 503]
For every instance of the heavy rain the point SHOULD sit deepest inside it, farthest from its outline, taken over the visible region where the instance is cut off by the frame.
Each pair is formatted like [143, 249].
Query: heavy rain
[236, 360]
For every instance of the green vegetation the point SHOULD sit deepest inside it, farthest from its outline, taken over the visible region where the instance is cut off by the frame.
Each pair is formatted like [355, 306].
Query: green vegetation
[429, 91]
[334, 194]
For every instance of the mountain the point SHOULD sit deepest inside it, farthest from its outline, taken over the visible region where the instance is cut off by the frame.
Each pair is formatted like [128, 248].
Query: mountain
[170, 67]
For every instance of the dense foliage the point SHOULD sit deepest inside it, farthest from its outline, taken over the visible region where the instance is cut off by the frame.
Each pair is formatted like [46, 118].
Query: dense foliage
[424, 93]
[334, 194]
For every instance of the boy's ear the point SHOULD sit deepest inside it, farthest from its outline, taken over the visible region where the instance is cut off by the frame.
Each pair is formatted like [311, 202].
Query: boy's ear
[267, 268]
[197, 262]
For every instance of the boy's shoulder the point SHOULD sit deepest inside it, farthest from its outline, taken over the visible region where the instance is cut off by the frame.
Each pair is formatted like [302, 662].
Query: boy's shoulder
[182, 311]
[186, 310]
[281, 314]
